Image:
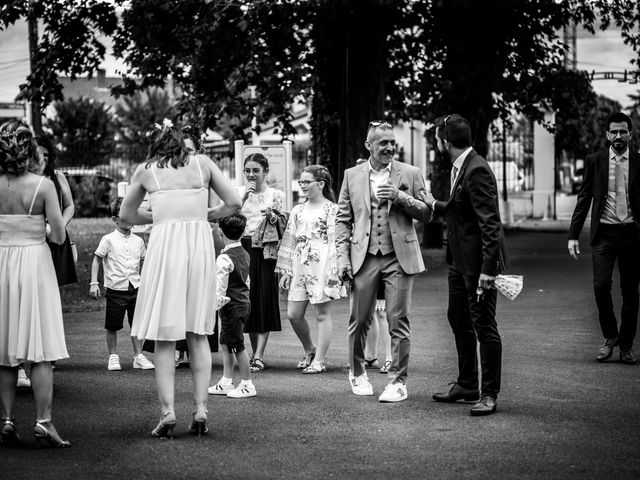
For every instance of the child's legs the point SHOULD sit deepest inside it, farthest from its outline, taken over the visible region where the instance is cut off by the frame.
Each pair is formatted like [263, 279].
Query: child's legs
[112, 341]
[165, 374]
[200, 356]
[325, 328]
[232, 321]
[227, 361]
[381, 315]
[114, 316]
[243, 365]
[295, 312]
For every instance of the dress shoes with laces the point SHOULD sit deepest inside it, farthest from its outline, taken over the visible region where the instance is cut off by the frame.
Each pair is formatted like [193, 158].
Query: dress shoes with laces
[486, 406]
[627, 356]
[457, 393]
[606, 350]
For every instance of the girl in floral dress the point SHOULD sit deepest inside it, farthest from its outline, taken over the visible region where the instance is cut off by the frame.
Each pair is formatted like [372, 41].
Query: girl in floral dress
[307, 261]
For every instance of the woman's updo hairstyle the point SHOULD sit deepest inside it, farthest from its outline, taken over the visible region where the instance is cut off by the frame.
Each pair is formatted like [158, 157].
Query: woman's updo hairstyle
[167, 147]
[17, 147]
[321, 173]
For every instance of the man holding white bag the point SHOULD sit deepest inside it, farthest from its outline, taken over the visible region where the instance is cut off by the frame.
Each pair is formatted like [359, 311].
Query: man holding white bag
[476, 255]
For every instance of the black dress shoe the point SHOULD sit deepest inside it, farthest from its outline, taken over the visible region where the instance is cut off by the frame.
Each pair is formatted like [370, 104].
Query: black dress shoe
[606, 350]
[486, 406]
[457, 393]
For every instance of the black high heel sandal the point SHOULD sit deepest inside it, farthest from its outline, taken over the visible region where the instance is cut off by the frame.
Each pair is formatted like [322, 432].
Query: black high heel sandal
[199, 423]
[8, 436]
[165, 427]
[47, 436]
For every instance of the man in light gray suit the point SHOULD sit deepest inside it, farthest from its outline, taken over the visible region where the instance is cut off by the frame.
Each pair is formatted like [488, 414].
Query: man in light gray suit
[377, 242]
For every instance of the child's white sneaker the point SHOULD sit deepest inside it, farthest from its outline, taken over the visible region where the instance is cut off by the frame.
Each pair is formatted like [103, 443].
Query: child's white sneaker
[244, 390]
[142, 362]
[114, 362]
[220, 388]
[23, 380]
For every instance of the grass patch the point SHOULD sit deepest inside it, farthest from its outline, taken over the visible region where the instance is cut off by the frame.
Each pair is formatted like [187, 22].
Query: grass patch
[86, 233]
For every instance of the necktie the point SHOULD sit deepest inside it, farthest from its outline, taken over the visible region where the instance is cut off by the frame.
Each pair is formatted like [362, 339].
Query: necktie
[454, 174]
[621, 191]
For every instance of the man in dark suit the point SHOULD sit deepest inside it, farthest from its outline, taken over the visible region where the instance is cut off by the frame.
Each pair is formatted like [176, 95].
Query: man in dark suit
[476, 255]
[612, 181]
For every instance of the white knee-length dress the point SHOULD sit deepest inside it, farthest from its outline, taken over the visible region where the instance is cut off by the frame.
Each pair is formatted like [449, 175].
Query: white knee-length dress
[178, 278]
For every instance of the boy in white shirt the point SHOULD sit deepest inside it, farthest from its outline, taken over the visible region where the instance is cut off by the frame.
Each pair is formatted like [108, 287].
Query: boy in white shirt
[121, 254]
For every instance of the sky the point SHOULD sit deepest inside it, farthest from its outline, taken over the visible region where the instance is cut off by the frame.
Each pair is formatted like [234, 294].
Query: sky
[603, 52]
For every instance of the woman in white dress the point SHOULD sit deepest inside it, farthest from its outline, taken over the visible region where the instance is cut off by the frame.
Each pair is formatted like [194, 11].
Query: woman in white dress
[31, 328]
[176, 299]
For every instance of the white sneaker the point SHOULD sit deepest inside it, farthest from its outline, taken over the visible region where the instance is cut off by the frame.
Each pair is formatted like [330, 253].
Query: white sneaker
[394, 392]
[220, 389]
[142, 362]
[23, 380]
[114, 362]
[244, 390]
[360, 385]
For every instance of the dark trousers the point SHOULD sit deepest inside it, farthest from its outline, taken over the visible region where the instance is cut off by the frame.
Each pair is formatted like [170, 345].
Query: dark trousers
[474, 321]
[622, 243]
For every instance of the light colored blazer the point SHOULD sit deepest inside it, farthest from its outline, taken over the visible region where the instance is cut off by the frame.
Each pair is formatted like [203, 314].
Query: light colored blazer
[354, 217]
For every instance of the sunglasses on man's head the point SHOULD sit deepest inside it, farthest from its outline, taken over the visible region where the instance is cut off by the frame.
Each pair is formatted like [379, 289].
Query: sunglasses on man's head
[378, 123]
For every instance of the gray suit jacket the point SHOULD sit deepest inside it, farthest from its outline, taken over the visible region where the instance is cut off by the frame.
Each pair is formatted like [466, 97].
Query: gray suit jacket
[354, 217]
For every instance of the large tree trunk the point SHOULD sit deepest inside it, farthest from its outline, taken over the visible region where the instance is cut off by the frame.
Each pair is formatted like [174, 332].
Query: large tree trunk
[350, 39]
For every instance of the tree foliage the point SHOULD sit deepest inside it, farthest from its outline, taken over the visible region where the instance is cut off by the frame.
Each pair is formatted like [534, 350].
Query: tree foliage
[83, 129]
[136, 115]
[214, 52]
[71, 41]
[353, 60]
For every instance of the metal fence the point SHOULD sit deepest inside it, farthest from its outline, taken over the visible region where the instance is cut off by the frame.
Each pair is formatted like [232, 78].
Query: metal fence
[512, 154]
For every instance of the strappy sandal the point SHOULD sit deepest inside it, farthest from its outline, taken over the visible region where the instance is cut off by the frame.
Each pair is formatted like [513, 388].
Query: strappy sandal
[306, 360]
[315, 368]
[257, 366]
[385, 367]
[373, 363]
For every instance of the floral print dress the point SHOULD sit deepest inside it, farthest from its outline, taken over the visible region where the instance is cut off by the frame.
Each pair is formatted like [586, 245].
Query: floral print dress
[308, 253]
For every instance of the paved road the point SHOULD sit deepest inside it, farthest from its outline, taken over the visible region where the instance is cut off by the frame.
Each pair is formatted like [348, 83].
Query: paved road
[561, 414]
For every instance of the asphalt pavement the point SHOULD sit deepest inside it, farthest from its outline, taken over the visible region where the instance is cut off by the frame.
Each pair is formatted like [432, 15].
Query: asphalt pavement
[560, 413]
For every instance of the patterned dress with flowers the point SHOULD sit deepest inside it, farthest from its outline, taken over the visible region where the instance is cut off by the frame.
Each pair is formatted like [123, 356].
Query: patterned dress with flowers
[308, 253]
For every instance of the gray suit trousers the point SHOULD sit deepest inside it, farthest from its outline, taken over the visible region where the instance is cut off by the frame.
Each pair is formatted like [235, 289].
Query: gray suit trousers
[397, 292]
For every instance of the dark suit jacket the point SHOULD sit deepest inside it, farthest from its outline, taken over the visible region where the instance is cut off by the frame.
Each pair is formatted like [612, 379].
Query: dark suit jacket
[595, 186]
[475, 242]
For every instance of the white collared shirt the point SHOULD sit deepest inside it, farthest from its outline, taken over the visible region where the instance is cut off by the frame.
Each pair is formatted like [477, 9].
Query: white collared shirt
[121, 256]
[460, 160]
[609, 213]
[377, 178]
[224, 267]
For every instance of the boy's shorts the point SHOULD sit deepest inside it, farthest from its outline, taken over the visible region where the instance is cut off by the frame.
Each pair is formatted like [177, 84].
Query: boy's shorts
[119, 302]
[232, 319]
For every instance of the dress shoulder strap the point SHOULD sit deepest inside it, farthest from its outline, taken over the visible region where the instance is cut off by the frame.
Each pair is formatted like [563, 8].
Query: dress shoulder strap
[155, 177]
[35, 194]
[199, 171]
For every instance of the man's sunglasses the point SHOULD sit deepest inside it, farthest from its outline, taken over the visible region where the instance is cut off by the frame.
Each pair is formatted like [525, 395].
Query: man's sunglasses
[378, 123]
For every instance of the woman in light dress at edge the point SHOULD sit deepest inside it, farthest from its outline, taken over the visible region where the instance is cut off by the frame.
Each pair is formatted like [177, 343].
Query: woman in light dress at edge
[31, 328]
[265, 308]
[176, 299]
